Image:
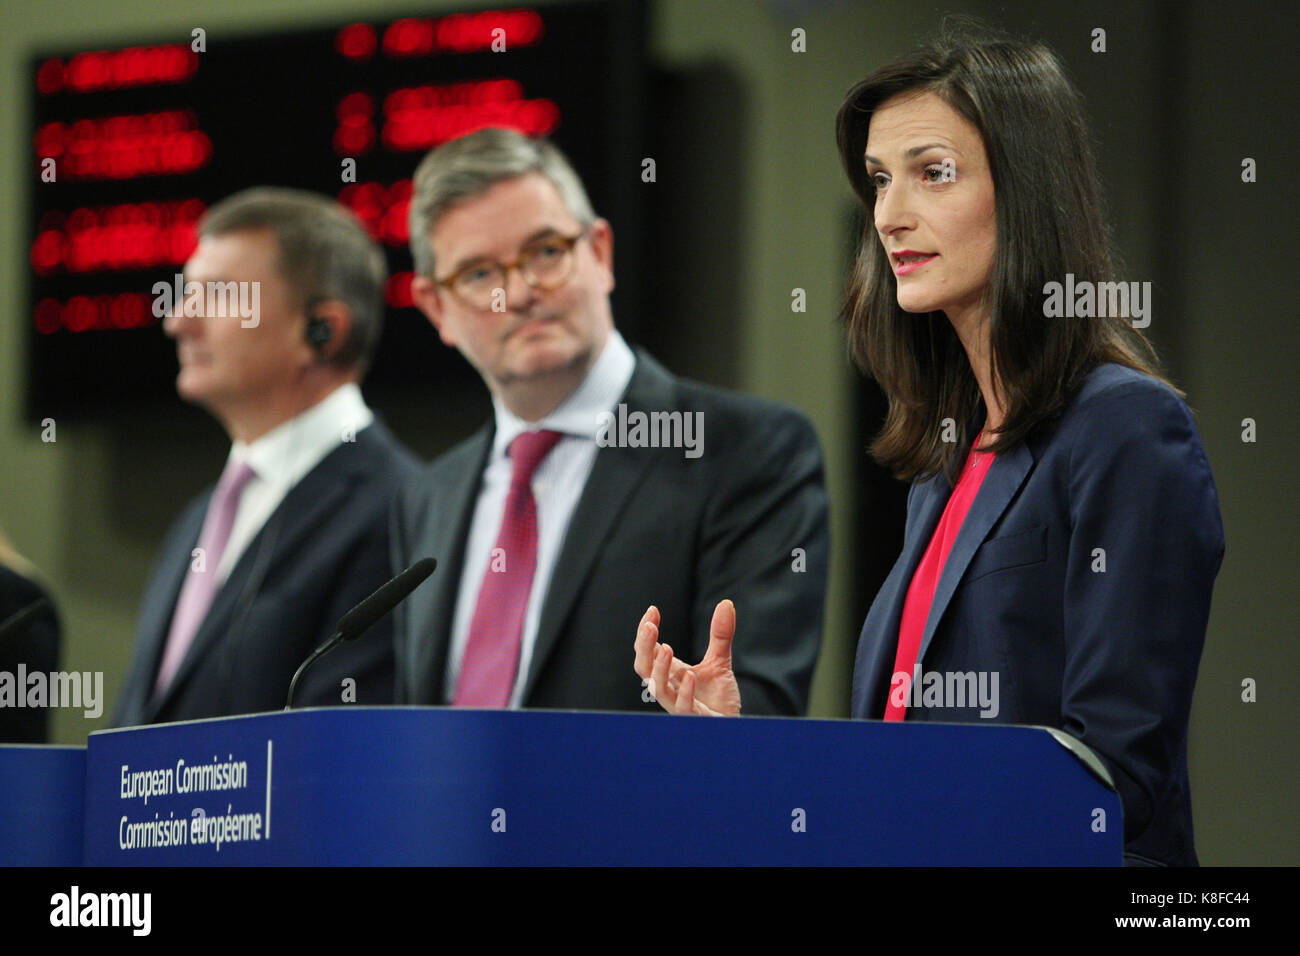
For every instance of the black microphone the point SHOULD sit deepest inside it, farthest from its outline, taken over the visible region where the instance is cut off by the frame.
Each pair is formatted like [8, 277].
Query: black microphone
[359, 619]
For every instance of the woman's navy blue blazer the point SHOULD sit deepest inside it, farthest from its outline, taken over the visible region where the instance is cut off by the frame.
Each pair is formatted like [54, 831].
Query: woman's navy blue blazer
[1082, 576]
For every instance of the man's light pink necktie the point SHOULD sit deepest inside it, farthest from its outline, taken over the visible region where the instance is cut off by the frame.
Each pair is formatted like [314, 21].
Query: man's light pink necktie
[201, 586]
[487, 674]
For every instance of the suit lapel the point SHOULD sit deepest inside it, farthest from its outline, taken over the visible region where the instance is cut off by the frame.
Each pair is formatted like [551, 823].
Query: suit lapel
[156, 613]
[443, 534]
[876, 668]
[614, 475]
[1000, 485]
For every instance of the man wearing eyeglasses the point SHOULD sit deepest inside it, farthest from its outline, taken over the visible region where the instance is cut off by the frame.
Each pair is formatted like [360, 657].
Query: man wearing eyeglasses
[555, 531]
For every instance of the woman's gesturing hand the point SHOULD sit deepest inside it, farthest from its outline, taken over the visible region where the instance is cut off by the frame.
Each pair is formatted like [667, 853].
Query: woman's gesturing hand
[707, 688]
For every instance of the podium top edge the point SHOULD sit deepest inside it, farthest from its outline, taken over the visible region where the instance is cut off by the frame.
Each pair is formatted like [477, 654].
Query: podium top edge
[514, 714]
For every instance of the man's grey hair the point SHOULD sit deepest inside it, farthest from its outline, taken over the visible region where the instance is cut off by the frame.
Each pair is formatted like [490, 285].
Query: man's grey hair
[466, 167]
[325, 253]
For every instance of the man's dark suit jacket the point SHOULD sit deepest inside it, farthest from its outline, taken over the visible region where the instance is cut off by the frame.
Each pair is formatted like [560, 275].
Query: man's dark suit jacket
[326, 550]
[33, 644]
[1108, 656]
[651, 527]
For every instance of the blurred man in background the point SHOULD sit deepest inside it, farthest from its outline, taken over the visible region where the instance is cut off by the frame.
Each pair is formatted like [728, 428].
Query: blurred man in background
[255, 573]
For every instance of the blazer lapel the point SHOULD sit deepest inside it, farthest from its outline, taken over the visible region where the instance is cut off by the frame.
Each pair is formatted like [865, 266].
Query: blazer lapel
[614, 475]
[873, 671]
[156, 615]
[1000, 485]
[442, 533]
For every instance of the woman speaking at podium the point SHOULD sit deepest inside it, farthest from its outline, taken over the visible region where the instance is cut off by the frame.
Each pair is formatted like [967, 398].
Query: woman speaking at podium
[1063, 530]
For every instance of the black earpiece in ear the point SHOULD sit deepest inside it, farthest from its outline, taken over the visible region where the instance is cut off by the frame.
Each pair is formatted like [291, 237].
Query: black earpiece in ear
[319, 332]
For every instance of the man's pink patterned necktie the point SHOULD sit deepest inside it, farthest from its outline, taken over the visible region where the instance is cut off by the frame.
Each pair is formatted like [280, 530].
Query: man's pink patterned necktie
[201, 586]
[491, 663]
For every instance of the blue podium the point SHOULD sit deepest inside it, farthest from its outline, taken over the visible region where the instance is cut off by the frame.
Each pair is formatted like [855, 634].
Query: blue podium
[42, 800]
[419, 786]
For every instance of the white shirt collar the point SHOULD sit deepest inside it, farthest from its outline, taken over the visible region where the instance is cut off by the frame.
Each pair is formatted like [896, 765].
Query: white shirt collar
[290, 450]
[579, 414]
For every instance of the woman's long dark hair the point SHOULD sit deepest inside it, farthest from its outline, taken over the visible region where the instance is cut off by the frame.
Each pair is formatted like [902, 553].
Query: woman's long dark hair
[1050, 222]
